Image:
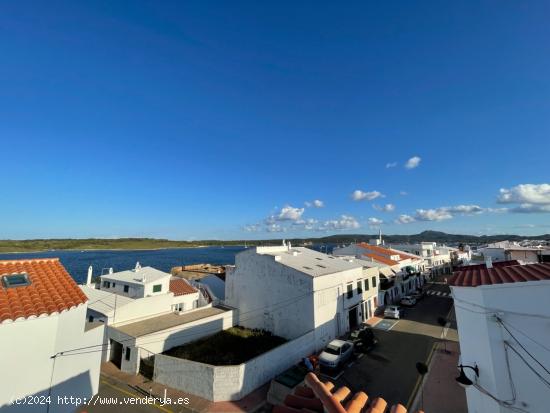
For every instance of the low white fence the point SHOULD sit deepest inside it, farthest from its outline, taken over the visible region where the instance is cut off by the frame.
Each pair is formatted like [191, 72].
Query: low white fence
[221, 383]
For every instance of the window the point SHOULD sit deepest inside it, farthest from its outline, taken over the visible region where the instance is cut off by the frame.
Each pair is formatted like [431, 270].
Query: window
[114, 285]
[16, 280]
[106, 284]
[91, 318]
[359, 287]
[157, 288]
[350, 290]
[366, 284]
[374, 282]
[126, 288]
[127, 355]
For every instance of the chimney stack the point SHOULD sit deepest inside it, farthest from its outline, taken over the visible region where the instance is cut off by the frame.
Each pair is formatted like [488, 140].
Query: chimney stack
[489, 262]
[89, 277]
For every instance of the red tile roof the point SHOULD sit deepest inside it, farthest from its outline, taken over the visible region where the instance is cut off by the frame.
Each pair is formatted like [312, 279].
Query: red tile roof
[179, 286]
[380, 258]
[500, 275]
[51, 289]
[388, 252]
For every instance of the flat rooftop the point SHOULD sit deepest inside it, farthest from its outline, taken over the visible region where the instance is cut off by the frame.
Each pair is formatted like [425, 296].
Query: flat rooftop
[164, 322]
[308, 261]
[140, 276]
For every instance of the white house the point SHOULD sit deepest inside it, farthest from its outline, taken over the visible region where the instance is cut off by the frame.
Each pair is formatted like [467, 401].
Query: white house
[148, 311]
[503, 326]
[293, 291]
[437, 258]
[383, 255]
[43, 337]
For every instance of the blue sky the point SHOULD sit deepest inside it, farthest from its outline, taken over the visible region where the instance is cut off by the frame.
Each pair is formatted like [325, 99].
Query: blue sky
[195, 120]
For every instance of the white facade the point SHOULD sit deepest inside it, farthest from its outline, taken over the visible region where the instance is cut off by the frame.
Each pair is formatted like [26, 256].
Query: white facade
[437, 259]
[137, 283]
[506, 370]
[32, 365]
[292, 291]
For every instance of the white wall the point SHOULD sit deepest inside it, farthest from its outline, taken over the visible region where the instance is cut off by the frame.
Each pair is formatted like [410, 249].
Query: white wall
[26, 365]
[522, 307]
[220, 383]
[161, 341]
[269, 295]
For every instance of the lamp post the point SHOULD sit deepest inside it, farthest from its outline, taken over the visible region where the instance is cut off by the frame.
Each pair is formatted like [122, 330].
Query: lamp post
[442, 321]
[462, 379]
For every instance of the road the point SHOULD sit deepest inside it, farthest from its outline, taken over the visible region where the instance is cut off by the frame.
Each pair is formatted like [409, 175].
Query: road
[389, 370]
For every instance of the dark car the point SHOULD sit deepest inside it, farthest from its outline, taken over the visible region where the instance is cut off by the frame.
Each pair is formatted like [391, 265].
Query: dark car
[363, 339]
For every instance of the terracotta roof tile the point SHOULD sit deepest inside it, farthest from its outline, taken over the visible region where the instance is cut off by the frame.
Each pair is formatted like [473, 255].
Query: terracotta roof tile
[503, 274]
[179, 286]
[378, 250]
[380, 258]
[51, 289]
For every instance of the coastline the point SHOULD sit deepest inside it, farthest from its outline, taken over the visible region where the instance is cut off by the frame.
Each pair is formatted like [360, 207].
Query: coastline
[108, 249]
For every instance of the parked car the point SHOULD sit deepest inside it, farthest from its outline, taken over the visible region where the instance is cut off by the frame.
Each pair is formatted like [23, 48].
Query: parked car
[393, 311]
[408, 301]
[363, 338]
[336, 354]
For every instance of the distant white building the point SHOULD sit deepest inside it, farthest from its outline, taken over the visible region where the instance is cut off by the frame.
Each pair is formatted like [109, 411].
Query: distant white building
[437, 258]
[292, 291]
[506, 250]
[503, 326]
[43, 330]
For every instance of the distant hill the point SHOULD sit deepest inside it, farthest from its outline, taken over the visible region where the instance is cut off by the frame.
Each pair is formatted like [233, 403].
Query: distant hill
[151, 243]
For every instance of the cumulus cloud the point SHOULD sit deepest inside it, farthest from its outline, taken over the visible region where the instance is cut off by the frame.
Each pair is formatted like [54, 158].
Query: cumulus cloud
[413, 162]
[437, 214]
[287, 213]
[275, 228]
[525, 194]
[375, 222]
[343, 223]
[384, 208]
[532, 198]
[359, 195]
[403, 193]
[404, 219]
[316, 203]
[391, 164]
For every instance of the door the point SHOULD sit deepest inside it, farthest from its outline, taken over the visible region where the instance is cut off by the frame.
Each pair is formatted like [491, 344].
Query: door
[116, 353]
[352, 318]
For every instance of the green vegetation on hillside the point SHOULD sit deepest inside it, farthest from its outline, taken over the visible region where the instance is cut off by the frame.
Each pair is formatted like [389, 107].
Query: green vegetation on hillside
[151, 243]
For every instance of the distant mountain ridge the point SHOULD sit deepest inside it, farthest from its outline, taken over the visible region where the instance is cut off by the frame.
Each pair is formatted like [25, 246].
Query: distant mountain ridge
[152, 243]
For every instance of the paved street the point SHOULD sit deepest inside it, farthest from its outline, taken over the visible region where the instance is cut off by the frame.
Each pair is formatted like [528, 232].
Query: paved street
[390, 369]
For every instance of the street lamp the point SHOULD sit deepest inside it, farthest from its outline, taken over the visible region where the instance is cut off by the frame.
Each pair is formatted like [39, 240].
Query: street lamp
[462, 379]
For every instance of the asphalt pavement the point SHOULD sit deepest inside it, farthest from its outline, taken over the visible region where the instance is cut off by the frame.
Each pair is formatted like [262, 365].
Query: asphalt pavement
[389, 370]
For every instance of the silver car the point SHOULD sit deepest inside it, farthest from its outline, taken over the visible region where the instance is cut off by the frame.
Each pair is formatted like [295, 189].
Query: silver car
[393, 311]
[336, 353]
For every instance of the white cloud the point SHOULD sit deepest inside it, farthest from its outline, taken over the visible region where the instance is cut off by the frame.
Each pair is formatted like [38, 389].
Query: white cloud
[413, 162]
[391, 164]
[359, 195]
[316, 203]
[275, 228]
[404, 219]
[465, 209]
[375, 222]
[438, 214]
[252, 228]
[403, 193]
[287, 213]
[384, 208]
[531, 208]
[343, 223]
[525, 194]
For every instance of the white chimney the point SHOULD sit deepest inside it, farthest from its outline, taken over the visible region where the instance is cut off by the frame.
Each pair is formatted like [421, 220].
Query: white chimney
[489, 262]
[89, 278]
[111, 270]
[289, 246]
[138, 266]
